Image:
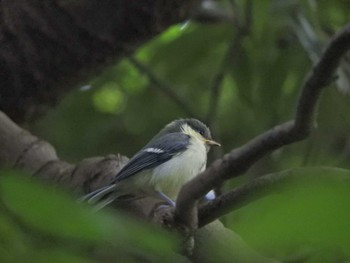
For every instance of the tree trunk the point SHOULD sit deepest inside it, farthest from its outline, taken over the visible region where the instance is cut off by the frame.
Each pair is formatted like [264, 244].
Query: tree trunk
[49, 47]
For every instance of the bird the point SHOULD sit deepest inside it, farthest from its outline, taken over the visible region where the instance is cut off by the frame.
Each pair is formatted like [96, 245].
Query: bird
[170, 159]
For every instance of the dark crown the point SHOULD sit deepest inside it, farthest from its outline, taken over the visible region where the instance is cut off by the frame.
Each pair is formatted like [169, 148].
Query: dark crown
[195, 124]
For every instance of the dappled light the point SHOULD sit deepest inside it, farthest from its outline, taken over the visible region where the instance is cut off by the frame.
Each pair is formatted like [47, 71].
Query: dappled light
[87, 84]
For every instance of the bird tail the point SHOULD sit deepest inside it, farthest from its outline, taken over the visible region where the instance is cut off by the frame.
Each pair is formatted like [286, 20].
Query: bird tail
[100, 197]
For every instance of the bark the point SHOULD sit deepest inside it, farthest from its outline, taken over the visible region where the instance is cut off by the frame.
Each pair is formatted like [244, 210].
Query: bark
[49, 47]
[238, 161]
[20, 149]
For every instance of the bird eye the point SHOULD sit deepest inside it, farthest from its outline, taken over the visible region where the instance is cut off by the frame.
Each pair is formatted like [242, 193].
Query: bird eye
[201, 132]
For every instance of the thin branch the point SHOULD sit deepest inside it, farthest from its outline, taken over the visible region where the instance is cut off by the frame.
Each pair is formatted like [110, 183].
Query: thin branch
[215, 93]
[243, 29]
[240, 160]
[211, 11]
[230, 55]
[93, 173]
[164, 87]
[242, 26]
[255, 190]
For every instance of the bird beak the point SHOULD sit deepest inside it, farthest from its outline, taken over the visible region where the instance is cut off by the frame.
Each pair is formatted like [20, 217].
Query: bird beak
[213, 143]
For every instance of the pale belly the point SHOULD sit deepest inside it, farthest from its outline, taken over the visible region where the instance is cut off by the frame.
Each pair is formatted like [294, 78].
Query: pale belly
[170, 176]
[173, 174]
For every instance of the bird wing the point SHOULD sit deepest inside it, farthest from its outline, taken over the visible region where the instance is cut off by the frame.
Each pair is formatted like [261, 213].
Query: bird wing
[158, 151]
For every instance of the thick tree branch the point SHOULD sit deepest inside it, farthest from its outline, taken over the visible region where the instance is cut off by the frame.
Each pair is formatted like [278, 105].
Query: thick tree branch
[240, 160]
[20, 149]
[48, 47]
[258, 188]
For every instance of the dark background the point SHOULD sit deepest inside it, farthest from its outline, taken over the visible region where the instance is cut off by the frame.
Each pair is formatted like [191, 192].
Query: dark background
[241, 76]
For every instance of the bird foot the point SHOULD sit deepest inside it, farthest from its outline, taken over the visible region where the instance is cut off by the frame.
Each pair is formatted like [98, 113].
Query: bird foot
[166, 199]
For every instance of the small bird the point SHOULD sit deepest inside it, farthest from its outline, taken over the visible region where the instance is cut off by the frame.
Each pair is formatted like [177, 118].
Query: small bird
[174, 156]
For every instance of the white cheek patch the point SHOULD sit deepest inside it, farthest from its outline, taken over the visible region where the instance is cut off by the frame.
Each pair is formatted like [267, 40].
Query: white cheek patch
[186, 129]
[153, 150]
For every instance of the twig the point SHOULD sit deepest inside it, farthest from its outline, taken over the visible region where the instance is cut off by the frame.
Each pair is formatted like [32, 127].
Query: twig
[211, 11]
[243, 28]
[231, 53]
[215, 94]
[254, 190]
[167, 89]
[240, 160]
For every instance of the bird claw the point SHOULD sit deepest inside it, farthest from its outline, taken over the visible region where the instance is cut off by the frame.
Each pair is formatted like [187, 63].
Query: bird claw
[166, 199]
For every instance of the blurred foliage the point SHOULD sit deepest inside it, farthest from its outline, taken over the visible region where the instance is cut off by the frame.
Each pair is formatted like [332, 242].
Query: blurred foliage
[275, 47]
[309, 218]
[39, 223]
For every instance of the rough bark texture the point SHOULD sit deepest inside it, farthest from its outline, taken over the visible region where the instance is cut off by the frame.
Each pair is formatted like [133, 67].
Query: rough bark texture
[20, 149]
[48, 47]
[239, 160]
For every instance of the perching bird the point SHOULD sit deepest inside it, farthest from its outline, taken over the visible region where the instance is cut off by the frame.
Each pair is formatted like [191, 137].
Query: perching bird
[174, 156]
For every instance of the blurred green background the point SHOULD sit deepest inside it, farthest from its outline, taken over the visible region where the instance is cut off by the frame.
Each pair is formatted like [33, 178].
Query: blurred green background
[260, 58]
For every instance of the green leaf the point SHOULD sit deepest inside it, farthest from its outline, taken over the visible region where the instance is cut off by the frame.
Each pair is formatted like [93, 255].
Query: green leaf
[48, 212]
[310, 214]
[52, 256]
[47, 209]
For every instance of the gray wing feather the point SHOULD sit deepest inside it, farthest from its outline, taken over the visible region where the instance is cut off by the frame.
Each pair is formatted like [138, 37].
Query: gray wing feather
[169, 145]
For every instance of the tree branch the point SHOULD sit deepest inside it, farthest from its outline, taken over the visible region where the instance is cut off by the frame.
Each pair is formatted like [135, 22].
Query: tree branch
[216, 92]
[211, 11]
[243, 26]
[254, 190]
[240, 160]
[20, 149]
[164, 87]
[49, 47]
[243, 29]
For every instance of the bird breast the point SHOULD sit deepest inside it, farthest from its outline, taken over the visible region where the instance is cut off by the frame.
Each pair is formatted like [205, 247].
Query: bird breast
[173, 174]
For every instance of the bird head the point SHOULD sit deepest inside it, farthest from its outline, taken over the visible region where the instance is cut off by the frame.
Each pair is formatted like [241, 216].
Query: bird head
[191, 127]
